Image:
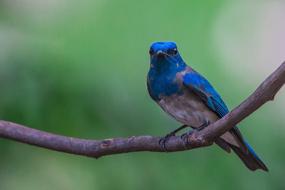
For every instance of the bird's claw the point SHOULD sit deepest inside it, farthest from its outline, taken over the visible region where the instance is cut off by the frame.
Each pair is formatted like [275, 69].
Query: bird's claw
[163, 140]
[185, 139]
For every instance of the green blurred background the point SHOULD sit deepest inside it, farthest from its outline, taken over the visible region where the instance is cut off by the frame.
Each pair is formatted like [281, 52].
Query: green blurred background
[78, 68]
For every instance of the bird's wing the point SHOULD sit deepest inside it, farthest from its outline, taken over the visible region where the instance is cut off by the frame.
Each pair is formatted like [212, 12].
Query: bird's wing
[206, 92]
[203, 89]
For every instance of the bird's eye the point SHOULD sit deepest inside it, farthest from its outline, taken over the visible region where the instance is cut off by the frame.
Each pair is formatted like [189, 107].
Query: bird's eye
[172, 51]
[151, 51]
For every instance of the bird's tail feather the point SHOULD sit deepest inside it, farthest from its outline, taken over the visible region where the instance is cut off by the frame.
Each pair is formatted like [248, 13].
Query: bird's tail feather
[241, 148]
[249, 158]
[223, 144]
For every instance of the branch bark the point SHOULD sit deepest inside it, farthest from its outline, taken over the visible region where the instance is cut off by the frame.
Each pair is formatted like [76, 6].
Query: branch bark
[98, 148]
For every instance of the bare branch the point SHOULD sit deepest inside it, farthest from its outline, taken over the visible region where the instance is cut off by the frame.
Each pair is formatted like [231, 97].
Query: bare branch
[97, 148]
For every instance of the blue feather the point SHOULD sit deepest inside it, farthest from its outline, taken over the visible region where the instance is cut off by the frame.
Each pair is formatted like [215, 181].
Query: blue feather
[206, 91]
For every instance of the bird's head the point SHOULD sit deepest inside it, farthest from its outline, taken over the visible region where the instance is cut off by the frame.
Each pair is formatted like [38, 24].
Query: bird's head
[165, 55]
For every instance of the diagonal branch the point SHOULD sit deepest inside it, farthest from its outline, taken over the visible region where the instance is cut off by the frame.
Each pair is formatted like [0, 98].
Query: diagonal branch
[97, 148]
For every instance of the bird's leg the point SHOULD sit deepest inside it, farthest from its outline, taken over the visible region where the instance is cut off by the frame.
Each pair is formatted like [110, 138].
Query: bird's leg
[163, 140]
[205, 124]
[184, 136]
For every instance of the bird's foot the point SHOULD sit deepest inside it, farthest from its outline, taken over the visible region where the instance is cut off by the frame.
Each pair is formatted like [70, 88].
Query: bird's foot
[185, 139]
[163, 140]
[185, 136]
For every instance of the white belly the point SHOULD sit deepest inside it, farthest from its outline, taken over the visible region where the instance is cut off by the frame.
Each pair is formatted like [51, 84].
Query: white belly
[188, 109]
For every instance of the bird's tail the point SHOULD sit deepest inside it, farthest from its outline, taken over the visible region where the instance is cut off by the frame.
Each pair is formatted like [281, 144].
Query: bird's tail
[234, 140]
[249, 157]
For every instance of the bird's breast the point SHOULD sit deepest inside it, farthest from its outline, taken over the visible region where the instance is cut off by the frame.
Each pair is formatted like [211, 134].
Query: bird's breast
[188, 109]
[163, 85]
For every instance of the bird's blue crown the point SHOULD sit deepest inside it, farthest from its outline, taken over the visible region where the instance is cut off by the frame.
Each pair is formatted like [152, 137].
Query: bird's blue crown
[164, 46]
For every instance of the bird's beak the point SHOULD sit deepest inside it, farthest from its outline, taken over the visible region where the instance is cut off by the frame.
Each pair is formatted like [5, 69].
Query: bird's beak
[160, 53]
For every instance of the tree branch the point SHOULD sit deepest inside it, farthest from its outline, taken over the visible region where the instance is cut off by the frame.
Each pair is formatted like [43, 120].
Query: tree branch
[97, 148]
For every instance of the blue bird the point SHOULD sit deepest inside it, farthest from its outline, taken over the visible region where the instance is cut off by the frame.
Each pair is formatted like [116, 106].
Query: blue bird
[190, 99]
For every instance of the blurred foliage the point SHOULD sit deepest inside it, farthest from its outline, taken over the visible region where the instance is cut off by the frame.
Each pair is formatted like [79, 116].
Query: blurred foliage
[79, 69]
